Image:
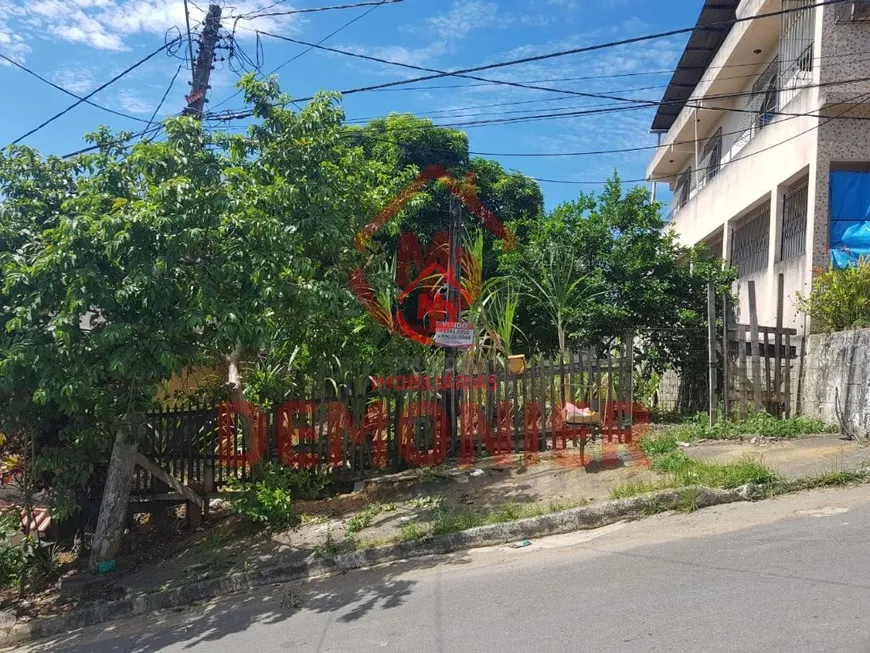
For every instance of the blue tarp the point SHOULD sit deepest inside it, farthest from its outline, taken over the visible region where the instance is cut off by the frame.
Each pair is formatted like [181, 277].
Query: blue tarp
[850, 217]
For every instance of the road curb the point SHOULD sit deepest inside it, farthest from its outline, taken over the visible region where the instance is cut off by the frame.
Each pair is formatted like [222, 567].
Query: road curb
[574, 519]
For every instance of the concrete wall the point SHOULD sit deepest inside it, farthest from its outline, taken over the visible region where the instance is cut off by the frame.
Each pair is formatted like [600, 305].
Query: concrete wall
[837, 369]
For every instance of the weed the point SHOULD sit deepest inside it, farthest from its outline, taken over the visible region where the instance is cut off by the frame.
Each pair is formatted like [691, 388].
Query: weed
[682, 471]
[329, 548]
[428, 475]
[293, 598]
[632, 489]
[660, 444]
[362, 520]
[306, 519]
[411, 533]
[757, 424]
[425, 502]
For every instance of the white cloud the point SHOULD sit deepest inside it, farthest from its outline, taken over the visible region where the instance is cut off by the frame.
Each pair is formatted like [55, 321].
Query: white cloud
[463, 18]
[107, 24]
[77, 80]
[134, 104]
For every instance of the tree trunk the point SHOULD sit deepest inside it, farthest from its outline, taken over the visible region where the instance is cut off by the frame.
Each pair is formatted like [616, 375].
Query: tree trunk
[237, 396]
[116, 495]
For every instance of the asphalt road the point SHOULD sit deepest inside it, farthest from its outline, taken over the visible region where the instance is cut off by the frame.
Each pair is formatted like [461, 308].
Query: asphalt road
[787, 575]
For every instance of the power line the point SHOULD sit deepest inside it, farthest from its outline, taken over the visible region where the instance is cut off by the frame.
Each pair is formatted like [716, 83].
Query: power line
[524, 85]
[464, 110]
[165, 94]
[860, 99]
[94, 92]
[304, 52]
[314, 10]
[641, 73]
[63, 90]
[591, 48]
[153, 132]
[189, 39]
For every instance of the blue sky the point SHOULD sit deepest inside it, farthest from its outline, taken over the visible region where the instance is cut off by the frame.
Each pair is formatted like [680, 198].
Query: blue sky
[79, 44]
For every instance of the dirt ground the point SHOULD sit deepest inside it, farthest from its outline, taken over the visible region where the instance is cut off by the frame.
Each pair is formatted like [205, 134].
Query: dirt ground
[161, 554]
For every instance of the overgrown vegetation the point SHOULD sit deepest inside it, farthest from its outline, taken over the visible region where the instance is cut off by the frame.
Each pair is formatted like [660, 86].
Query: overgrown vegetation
[268, 501]
[839, 298]
[363, 519]
[23, 560]
[757, 424]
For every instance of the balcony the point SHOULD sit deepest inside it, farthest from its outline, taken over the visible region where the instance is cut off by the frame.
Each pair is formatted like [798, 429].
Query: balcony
[787, 45]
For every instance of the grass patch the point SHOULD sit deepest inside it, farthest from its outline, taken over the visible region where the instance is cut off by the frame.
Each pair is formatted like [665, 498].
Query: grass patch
[757, 424]
[682, 471]
[411, 533]
[632, 489]
[837, 478]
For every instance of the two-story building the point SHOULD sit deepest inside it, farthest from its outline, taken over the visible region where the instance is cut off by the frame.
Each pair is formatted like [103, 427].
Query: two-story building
[765, 141]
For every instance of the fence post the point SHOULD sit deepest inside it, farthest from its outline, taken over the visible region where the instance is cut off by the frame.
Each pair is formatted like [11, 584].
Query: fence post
[711, 349]
[726, 359]
[777, 343]
[753, 335]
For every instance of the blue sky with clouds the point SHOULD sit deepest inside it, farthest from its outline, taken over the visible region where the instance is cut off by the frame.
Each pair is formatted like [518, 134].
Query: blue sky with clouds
[79, 44]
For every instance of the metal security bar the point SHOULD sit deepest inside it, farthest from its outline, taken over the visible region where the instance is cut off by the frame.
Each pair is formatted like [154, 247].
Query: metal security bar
[761, 107]
[750, 240]
[796, 48]
[682, 189]
[711, 158]
[794, 221]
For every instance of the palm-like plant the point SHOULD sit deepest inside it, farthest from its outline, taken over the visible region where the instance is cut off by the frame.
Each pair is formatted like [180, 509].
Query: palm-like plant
[556, 285]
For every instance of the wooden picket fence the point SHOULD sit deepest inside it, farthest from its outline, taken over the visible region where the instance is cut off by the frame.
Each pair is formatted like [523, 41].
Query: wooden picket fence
[355, 426]
[754, 362]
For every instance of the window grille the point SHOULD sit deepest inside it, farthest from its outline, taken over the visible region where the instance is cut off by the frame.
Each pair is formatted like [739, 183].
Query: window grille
[682, 189]
[750, 240]
[796, 47]
[794, 221]
[711, 157]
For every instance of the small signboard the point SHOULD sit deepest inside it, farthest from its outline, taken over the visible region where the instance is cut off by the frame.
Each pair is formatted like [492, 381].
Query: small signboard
[459, 335]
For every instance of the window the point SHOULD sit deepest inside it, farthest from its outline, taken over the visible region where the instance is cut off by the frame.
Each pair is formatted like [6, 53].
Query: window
[854, 11]
[711, 159]
[750, 240]
[682, 189]
[768, 105]
[794, 221]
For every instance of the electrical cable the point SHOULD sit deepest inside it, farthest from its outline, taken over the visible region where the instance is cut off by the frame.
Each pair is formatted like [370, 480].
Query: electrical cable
[590, 48]
[70, 93]
[850, 105]
[92, 93]
[545, 100]
[165, 94]
[189, 40]
[314, 10]
[641, 73]
[154, 131]
[304, 52]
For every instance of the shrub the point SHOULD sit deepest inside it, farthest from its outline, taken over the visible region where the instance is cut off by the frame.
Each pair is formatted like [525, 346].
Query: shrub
[13, 555]
[839, 299]
[268, 501]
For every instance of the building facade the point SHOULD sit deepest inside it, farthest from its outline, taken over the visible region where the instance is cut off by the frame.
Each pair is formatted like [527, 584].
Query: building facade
[760, 116]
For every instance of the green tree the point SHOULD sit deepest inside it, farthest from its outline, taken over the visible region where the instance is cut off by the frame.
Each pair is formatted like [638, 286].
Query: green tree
[645, 282]
[122, 267]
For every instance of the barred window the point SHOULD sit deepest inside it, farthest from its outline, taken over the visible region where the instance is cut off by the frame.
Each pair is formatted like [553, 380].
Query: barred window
[795, 205]
[682, 189]
[750, 240]
[712, 156]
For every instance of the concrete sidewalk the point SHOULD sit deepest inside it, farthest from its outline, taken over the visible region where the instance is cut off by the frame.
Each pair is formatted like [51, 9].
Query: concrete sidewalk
[795, 458]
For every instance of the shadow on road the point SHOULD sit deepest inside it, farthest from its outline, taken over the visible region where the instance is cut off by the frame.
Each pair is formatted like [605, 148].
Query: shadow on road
[352, 595]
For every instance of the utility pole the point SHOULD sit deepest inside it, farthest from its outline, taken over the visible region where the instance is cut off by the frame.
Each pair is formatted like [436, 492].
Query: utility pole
[204, 63]
[454, 299]
[116, 493]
